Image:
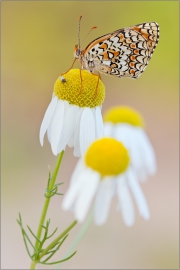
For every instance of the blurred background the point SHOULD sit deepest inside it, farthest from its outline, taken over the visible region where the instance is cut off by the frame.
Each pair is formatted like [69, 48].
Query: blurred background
[38, 39]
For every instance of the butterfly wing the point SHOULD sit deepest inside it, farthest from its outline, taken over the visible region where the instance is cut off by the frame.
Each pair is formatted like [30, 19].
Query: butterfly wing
[125, 52]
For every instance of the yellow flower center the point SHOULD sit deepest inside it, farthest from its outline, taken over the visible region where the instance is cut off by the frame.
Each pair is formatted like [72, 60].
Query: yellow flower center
[124, 114]
[107, 156]
[71, 91]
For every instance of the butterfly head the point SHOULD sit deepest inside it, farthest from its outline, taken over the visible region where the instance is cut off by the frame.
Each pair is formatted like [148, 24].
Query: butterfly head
[77, 52]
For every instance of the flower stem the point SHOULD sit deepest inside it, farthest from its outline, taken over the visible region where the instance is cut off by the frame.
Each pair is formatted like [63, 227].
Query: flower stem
[51, 245]
[46, 203]
[33, 265]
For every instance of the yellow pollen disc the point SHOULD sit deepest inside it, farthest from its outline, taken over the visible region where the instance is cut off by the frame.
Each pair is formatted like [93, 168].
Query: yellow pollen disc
[71, 91]
[124, 114]
[107, 156]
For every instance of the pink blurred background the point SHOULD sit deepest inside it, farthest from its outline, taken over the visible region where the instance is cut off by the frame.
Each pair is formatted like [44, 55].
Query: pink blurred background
[37, 46]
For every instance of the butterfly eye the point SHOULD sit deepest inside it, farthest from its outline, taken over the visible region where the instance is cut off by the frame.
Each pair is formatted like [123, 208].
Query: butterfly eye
[78, 52]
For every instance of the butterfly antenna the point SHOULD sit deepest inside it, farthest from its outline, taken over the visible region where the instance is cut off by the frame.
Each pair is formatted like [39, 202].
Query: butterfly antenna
[94, 27]
[79, 31]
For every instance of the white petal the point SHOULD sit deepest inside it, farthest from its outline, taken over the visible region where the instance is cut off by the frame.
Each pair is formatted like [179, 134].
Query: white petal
[68, 127]
[80, 166]
[124, 134]
[138, 195]
[56, 126]
[47, 118]
[108, 129]
[71, 141]
[147, 152]
[125, 201]
[127, 134]
[88, 190]
[99, 123]
[66, 107]
[48, 133]
[141, 152]
[77, 152]
[103, 200]
[137, 156]
[87, 129]
[74, 189]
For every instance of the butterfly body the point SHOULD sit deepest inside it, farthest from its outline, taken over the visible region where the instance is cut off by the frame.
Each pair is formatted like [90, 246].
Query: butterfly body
[122, 53]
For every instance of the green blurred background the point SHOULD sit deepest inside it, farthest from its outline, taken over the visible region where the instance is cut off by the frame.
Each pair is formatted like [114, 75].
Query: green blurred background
[38, 39]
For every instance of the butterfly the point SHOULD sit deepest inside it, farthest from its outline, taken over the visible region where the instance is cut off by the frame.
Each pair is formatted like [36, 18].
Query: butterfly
[123, 53]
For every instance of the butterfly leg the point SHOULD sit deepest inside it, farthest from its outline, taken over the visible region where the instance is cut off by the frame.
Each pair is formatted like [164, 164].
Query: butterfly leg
[80, 91]
[61, 77]
[99, 77]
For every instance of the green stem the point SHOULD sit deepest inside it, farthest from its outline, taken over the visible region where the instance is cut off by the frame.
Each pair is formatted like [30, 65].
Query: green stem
[33, 265]
[51, 245]
[46, 203]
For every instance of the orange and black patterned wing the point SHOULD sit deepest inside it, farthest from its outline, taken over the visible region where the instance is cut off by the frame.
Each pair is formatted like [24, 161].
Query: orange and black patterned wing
[125, 52]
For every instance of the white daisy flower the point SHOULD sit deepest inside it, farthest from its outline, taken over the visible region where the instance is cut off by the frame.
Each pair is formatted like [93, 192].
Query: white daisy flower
[127, 126]
[74, 117]
[104, 171]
